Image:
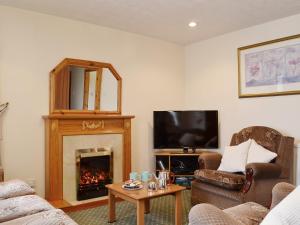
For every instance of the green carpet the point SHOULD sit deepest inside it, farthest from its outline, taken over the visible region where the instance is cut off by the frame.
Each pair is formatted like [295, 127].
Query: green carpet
[161, 212]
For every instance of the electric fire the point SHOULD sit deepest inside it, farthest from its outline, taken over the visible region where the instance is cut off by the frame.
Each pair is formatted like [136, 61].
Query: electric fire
[94, 171]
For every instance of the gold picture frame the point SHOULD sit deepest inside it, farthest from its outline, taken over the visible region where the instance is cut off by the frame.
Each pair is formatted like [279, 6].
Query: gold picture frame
[269, 68]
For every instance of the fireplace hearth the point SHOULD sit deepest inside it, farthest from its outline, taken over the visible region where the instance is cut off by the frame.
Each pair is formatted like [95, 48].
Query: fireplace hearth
[94, 171]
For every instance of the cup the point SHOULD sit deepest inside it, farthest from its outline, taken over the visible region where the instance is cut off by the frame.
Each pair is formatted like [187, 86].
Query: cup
[134, 176]
[152, 186]
[146, 176]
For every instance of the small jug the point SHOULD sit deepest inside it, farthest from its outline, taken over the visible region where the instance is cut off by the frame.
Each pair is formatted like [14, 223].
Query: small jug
[164, 179]
[145, 176]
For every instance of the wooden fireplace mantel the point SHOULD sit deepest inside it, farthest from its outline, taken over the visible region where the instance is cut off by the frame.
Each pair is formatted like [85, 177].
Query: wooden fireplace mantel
[59, 125]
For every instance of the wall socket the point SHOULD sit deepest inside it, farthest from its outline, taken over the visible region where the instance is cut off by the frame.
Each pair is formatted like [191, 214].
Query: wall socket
[31, 182]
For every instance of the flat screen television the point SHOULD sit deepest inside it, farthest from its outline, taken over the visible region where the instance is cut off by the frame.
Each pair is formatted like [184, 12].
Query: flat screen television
[179, 129]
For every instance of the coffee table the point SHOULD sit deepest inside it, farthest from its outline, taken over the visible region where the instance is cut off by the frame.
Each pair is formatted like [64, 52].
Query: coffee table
[142, 199]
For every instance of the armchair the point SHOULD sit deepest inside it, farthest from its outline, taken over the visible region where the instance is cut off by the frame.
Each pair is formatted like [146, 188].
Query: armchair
[229, 189]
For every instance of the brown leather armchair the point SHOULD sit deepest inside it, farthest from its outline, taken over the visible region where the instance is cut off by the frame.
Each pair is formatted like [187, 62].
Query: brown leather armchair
[256, 185]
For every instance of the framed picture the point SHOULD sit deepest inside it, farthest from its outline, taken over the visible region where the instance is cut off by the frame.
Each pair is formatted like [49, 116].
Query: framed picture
[270, 68]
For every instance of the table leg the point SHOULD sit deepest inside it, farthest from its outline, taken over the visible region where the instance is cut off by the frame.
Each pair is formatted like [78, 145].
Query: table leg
[140, 210]
[178, 208]
[147, 206]
[111, 207]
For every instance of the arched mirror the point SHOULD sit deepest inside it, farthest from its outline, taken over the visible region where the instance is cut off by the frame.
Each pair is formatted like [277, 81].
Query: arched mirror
[85, 86]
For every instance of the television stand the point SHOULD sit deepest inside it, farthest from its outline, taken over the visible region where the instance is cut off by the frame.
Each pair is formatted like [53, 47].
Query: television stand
[182, 164]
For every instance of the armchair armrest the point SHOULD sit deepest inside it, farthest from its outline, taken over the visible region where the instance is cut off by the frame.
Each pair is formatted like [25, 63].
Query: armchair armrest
[263, 170]
[256, 171]
[209, 160]
[206, 214]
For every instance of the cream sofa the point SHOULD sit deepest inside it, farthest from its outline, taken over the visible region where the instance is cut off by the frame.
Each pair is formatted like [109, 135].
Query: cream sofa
[19, 205]
[284, 210]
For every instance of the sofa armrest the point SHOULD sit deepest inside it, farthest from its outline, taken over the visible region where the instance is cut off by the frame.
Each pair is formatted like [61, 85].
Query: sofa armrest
[206, 214]
[209, 160]
[280, 191]
[263, 170]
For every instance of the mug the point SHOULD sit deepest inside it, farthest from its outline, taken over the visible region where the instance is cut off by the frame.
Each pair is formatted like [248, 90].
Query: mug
[146, 176]
[152, 186]
[134, 176]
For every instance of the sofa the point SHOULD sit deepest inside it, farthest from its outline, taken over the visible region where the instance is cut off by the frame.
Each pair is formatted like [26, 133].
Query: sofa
[19, 205]
[282, 210]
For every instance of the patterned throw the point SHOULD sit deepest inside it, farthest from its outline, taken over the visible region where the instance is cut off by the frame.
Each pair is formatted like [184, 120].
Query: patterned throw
[161, 212]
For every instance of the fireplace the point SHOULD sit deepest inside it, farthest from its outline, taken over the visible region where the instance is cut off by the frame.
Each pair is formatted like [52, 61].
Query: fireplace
[94, 170]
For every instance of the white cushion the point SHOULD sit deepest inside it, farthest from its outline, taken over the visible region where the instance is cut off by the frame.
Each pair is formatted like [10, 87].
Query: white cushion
[258, 154]
[286, 212]
[235, 157]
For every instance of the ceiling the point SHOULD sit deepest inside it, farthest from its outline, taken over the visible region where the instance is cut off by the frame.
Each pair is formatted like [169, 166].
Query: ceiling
[167, 19]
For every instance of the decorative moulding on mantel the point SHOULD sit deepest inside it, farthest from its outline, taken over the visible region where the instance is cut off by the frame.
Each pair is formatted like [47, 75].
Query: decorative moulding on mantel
[82, 116]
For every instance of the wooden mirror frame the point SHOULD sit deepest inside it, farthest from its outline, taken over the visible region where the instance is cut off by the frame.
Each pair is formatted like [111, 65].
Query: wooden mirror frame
[93, 65]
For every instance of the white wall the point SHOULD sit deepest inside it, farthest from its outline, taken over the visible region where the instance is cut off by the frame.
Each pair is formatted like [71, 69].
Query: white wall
[31, 44]
[212, 82]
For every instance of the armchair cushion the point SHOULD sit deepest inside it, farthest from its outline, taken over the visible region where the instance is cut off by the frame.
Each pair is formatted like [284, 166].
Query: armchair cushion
[235, 157]
[259, 154]
[263, 170]
[223, 179]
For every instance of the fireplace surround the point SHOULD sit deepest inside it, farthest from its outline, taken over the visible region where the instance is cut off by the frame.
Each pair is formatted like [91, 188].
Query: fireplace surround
[85, 103]
[59, 128]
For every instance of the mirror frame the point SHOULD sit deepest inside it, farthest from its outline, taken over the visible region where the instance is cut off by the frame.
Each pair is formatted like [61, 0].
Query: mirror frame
[88, 65]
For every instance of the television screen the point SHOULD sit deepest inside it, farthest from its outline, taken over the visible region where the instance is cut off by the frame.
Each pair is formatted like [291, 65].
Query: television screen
[192, 129]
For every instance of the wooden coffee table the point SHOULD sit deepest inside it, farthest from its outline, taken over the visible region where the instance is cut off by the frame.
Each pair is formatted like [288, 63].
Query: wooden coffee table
[142, 199]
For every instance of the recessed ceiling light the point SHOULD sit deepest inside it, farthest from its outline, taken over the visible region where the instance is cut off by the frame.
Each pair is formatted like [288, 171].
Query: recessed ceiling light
[192, 24]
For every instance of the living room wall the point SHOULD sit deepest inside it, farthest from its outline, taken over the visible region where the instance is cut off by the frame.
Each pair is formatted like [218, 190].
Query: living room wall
[211, 80]
[32, 44]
